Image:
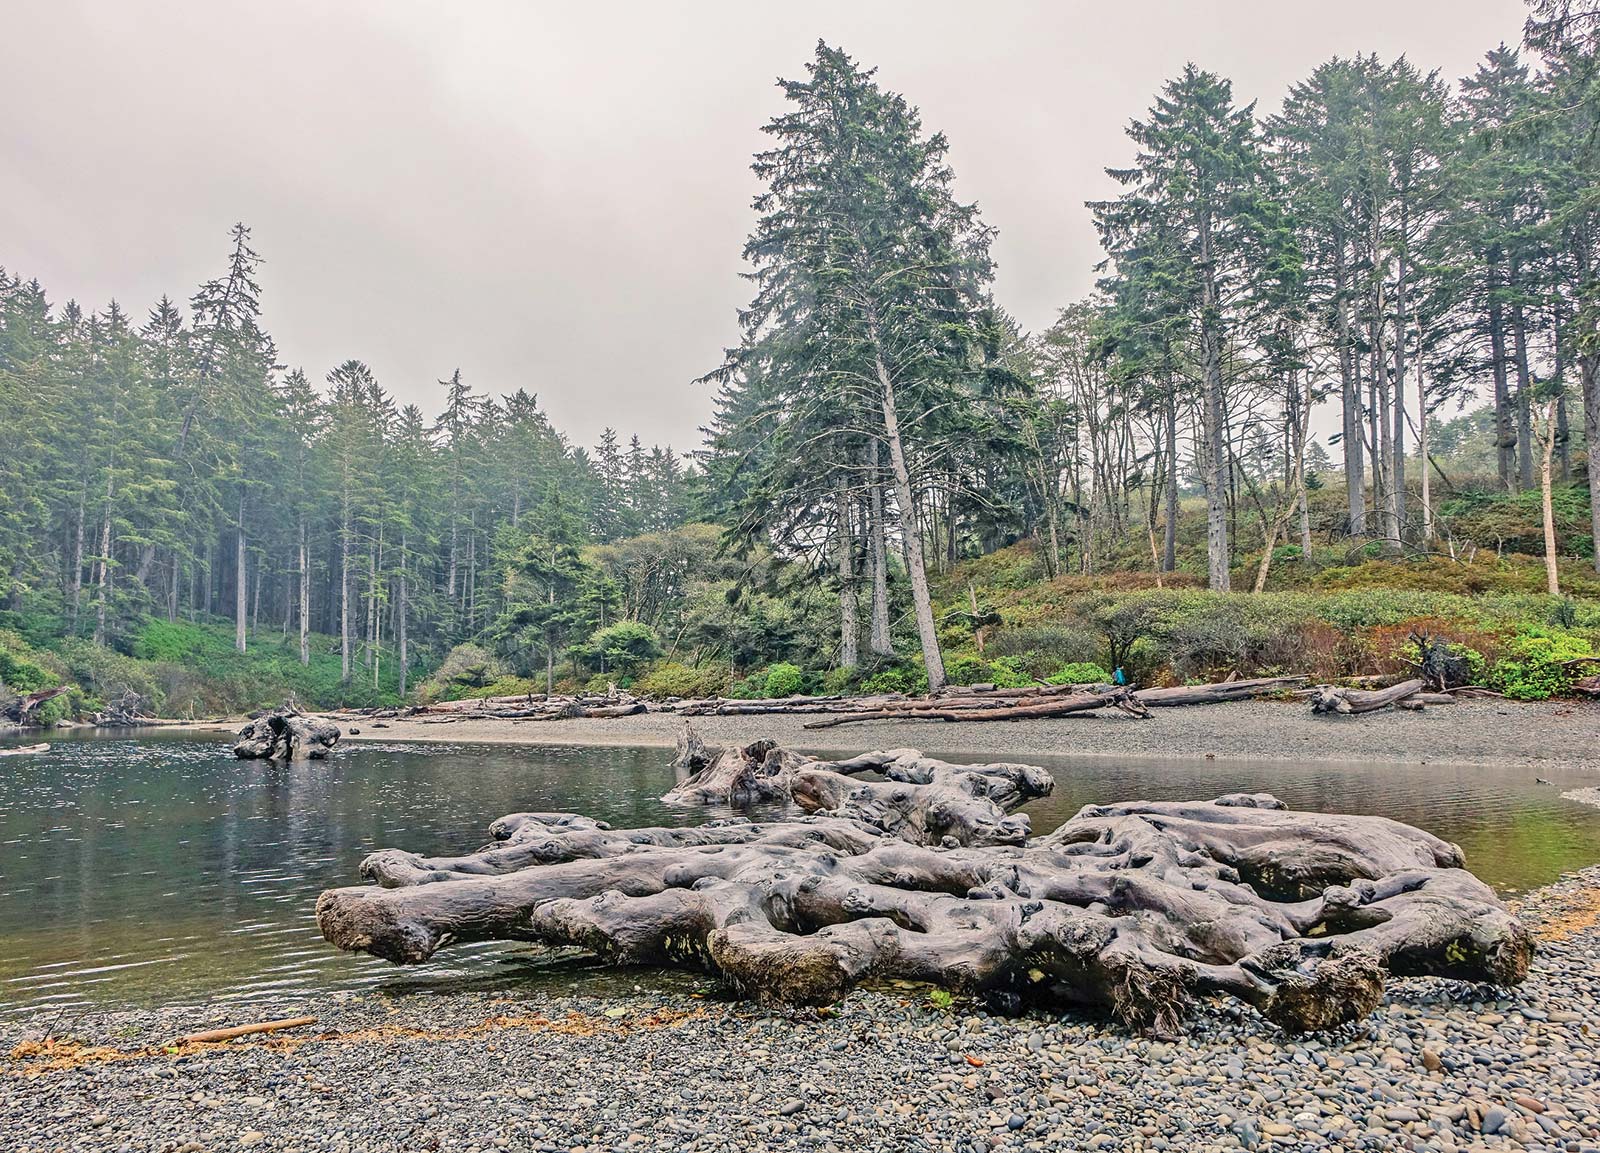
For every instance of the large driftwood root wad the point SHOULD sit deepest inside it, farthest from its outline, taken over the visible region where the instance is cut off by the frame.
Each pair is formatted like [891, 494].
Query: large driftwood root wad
[286, 735]
[1135, 908]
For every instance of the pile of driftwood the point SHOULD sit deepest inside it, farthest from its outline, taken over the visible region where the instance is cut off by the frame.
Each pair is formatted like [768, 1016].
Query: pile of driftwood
[925, 873]
[964, 703]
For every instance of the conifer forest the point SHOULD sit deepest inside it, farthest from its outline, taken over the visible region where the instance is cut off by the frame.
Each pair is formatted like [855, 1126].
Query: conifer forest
[1338, 383]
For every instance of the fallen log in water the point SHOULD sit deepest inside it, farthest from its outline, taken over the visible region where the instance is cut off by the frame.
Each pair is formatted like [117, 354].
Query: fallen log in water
[1333, 699]
[25, 750]
[1132, 907]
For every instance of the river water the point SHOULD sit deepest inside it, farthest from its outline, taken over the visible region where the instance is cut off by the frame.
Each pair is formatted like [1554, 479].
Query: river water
[161, 870]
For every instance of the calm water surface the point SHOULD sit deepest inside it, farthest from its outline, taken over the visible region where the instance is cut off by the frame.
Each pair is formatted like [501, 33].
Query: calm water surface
[161, 870]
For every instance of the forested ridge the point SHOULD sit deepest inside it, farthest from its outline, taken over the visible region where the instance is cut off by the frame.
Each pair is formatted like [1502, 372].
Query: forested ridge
[899, 486]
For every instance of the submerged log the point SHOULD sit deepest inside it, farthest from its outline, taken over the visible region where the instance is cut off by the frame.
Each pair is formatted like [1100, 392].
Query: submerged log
[25, 750]
[1333, 699]
[286, 735]
[1134, 908]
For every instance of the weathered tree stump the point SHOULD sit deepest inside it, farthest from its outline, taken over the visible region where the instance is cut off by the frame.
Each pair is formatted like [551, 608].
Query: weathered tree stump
[1135, 908]
[286, 735]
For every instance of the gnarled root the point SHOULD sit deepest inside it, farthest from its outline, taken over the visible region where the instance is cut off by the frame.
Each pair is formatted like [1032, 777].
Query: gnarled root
[1135, 908]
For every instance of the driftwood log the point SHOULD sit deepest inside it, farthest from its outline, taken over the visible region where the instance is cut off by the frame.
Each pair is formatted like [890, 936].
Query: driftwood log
[286, 735]
[1333, 699]
[1134, 908]
[21, 709]
[25, 750]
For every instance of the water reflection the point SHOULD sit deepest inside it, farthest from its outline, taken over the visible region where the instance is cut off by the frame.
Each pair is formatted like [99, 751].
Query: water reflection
[163, 870]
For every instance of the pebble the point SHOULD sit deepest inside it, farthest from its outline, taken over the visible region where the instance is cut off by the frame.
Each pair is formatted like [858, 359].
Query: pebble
[1441, 1066]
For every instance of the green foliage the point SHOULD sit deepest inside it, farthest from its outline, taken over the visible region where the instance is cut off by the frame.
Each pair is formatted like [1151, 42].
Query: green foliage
[467, 666]
[672, 679]
[1533, 668]
[1009, 673]
[966, 670]
[904, 679]
[22, 670]
[1080, 673]
[623, 647]
[783, 680]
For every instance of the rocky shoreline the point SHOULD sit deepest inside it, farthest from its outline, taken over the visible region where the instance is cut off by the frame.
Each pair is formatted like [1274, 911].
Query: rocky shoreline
[1440, 1066]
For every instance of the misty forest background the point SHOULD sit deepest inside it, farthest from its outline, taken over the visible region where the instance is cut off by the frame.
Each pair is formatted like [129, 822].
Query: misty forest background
[899, 488]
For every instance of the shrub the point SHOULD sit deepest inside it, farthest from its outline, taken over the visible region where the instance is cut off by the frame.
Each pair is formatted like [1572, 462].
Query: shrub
[1008, 673]
[624, 646]
[752, 687]
[21, 670]
[783, 680]
[967, 670]
[671, 679]
[1533, 668]
[468, 666]
[839, 681]
[1080, 673]
[1040, 649]
[908, 679]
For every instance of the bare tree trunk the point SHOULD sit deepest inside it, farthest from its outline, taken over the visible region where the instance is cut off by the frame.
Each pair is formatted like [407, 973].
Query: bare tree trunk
[1422, 455]
[1552, 574]
[77, 563]
[1589, 377]
[1169, 542]
[472, 572]
[240, 584]
[104, 572]
[255, 601]
[403, 610]
[880, 639]
[844, 554]
[1505, 436]
[1397, 482]
[305, 597]
[1519, 344]
[1350, 404]
[922, 601]
[344, 594]
[1218, 552]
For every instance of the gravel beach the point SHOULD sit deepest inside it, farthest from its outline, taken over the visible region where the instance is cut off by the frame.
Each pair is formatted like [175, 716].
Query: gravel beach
[1440, 1066]
[1468, 732]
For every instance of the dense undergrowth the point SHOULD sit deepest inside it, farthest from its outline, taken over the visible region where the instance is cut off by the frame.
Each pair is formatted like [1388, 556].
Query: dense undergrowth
[1337, 612]
[180, 670]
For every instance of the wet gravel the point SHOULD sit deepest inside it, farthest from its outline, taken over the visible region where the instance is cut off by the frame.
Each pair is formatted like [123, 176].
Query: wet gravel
[1441, 1065]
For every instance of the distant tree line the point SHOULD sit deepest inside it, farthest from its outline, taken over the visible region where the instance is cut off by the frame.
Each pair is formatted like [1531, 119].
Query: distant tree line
[174, 468]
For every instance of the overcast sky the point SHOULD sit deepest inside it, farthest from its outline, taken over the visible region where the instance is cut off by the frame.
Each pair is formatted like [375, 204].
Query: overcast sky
[554, 196]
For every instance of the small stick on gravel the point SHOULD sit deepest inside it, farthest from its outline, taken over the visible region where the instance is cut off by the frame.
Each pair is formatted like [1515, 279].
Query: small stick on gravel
[246, 1030]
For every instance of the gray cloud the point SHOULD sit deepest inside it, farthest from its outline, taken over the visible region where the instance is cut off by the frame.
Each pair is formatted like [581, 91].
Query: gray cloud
[554, 196]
